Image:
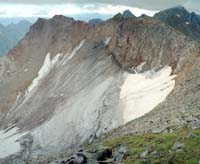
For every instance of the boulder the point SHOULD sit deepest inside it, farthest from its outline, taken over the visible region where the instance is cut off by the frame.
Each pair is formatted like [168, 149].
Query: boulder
[178, 147]
[102, 154]
[120, 155]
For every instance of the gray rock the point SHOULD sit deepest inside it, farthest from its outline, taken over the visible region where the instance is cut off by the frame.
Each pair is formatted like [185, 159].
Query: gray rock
[121, 154]
[79, 159]
[92, 162]
[178, 147]
[144, 154]
[179, 150]
[85, 154]
[192, 135]
[168, 130]
[102, 154]
[123, 150]
[195, 124]
[62, 160]
[53, 162]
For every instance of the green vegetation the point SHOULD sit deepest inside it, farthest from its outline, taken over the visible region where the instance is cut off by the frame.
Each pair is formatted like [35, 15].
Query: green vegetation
[160, 147]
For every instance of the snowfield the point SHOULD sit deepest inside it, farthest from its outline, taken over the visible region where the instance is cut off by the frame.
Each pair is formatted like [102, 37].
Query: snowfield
[142, 92]
[44, 70]
[96, 109]
[8, 142]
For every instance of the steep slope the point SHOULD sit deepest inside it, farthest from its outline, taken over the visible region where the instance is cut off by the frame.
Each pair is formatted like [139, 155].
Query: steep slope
[68, 82]
[11, 34]
[182, 20]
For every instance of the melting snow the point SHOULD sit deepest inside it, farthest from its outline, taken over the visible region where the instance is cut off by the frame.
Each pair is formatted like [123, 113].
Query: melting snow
[8, 143]
[141, 93]
[70, 56]
[48, 64]
[107, 41]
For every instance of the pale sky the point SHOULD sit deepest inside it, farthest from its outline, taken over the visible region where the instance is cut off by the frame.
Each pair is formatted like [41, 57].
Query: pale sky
[49, 8]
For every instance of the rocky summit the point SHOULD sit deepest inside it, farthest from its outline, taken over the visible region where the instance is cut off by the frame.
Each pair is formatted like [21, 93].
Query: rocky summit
[182, 20]
[69, 83]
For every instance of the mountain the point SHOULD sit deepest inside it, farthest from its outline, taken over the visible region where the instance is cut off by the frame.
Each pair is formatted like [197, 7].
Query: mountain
[125, 14]
[95, 21]
[9, 20]
[11, 34]
[182, 20]
[128, 14]
[68, 83]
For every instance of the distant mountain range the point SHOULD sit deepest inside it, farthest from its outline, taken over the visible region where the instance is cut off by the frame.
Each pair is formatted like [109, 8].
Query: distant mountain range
[11, 34]
[95, 21]
[125, 14]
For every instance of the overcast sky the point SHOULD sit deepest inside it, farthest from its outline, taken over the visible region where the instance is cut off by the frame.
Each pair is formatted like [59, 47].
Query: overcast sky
[49, 8]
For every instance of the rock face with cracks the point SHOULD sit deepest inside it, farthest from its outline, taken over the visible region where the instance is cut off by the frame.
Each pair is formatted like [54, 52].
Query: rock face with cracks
[68, 82]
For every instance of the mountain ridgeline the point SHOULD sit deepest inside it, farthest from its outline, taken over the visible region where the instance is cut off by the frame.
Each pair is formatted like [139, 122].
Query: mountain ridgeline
[11, 34]
[70, 82]
[182, 20]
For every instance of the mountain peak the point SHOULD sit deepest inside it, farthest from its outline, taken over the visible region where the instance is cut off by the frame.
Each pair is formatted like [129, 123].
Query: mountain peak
[128, 14]
[179, 7]
[125, 14]
[182, 20]
[61, 17]
[175, 10]
[144, 16]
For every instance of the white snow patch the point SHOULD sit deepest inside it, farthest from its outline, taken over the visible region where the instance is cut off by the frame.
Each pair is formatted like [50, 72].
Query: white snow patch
[140, 93]
[8, 143]
[187, 23]
[44, 70]
[70, 56]
[107, 41]
[178, 15]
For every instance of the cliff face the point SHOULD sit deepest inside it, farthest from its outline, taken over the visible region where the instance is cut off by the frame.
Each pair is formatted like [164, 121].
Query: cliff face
[67, 82]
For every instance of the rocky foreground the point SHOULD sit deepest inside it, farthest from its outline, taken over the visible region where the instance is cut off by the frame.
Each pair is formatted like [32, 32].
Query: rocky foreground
[181, 146]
